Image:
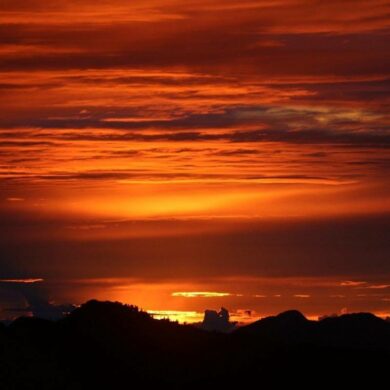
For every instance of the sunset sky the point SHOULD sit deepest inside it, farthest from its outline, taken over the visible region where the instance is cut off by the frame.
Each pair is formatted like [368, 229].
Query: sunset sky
[187, 155]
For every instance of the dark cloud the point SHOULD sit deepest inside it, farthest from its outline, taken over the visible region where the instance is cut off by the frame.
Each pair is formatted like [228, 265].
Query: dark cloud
[349, 246]
[6, 144]
[213, 40]
[36, 300]
[280, 125]
[236, 152]
[316, 154]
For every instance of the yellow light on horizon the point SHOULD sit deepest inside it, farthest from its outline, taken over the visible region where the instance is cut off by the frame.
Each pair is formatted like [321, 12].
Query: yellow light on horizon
[181, 316]
[200, 294]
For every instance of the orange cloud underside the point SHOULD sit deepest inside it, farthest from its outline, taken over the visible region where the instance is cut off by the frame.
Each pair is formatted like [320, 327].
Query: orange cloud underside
[234, 142]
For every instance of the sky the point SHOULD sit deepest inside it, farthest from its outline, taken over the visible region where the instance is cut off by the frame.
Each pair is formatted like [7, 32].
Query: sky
[188, 155]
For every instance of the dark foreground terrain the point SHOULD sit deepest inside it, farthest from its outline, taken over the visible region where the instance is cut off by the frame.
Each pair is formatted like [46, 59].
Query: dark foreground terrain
[113, 346]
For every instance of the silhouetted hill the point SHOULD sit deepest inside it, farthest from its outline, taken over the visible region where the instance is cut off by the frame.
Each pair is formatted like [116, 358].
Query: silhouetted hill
[123, 339]
[289, 326]
[358, 330]
[110, 345]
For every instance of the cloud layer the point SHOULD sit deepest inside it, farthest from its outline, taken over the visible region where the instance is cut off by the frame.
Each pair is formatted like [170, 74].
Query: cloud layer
[126, 125]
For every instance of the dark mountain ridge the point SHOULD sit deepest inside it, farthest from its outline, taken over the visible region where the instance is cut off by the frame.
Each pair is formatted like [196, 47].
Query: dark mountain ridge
[111, 345]
[355, 330]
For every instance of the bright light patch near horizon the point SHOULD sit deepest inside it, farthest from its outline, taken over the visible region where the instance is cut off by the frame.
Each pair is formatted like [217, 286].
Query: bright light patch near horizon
[241, 316]
[181, 316]
[200, 294]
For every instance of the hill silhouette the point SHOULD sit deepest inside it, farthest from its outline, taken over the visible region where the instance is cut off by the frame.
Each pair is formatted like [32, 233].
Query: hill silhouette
[110, 345]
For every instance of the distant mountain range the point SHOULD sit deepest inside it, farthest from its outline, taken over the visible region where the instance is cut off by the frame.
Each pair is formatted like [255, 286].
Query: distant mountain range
[113, 346]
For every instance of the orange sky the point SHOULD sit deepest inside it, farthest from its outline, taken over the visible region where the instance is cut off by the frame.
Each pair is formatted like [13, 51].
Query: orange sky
[170, 146]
